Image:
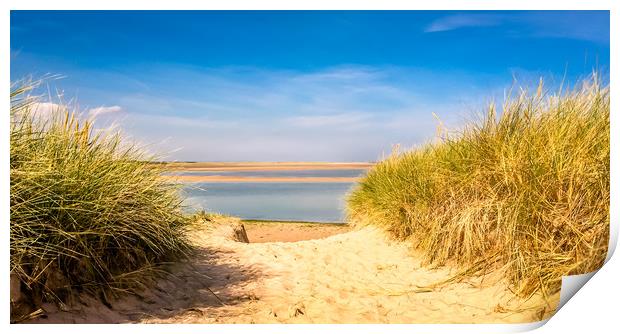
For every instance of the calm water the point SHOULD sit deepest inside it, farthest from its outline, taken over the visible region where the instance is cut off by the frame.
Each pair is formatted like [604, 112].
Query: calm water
[282, 173]
[320, 202]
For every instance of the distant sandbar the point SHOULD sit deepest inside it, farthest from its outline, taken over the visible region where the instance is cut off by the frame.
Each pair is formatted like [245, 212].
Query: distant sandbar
[221, 178]
[251, 166]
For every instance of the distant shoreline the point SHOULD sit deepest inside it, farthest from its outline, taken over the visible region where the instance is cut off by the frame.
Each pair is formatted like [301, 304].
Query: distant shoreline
[250, 166]
[262, 166]
[275, 221]
[257, 179]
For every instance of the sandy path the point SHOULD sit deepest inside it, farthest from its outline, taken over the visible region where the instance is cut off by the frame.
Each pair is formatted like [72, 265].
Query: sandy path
[354, 277]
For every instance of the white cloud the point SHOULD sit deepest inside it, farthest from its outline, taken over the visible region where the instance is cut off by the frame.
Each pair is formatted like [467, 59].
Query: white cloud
[103, 110]
[47, 107]
[458, 21]
[45, 111]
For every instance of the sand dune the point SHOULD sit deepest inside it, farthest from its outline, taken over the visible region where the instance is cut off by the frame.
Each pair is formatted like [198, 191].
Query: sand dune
[355, 277]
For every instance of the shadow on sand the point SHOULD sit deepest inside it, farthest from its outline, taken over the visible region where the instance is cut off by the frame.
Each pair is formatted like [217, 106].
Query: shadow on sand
[198, 287]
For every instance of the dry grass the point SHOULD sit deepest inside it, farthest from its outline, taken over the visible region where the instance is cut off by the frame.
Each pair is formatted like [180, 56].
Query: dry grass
[88, 211]
[526, 190]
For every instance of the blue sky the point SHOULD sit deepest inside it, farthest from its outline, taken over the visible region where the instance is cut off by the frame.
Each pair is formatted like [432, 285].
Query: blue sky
[310, 86]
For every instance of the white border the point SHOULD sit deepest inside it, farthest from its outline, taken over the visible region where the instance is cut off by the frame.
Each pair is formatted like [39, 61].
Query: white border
[318, 4]
[593, 308]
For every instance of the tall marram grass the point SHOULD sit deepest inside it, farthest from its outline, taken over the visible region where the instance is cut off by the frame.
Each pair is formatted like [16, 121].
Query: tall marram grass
[526, 190]
[88, 211]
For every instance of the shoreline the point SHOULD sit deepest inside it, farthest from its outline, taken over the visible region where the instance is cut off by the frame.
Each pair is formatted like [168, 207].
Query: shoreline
[273, 221]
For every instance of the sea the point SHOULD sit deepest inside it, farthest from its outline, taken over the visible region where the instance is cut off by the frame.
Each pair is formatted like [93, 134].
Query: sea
[281, 201]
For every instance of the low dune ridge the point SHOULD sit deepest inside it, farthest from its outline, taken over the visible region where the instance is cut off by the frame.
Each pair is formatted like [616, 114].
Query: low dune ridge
[361, 276]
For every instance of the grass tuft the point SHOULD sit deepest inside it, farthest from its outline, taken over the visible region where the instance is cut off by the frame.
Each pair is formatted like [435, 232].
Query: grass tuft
[88, 211]
[526, 190]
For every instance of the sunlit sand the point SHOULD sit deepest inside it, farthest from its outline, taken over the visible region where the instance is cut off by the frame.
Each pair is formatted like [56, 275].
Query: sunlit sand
[360, 276]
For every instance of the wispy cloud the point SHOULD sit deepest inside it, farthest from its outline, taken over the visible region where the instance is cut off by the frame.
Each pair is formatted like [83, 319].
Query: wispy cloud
[344, 113]
[319, 121]
[580, 25]
[458, 21]
[94, 112]
[379, 86]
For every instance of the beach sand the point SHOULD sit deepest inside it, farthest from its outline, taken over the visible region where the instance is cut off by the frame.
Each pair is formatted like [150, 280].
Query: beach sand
[259, 231]
[358, 276]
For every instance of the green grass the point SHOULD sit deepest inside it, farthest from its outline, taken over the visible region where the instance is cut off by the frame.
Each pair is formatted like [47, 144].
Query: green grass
[88, 211]
[525, 191]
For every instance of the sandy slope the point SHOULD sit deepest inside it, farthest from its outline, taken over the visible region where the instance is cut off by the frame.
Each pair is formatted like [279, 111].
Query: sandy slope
[355, 277]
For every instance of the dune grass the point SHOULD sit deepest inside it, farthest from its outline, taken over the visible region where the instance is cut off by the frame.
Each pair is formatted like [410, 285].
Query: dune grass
[88, 211]
[525, 190]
